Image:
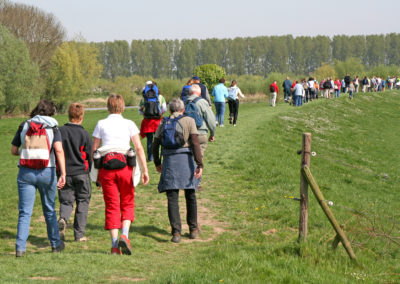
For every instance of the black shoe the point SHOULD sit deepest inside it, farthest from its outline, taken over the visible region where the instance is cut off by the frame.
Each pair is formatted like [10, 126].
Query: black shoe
[230, 120]
[176, 238]
[19, 253]
[62, 226]
[59, 248]
[194, 234]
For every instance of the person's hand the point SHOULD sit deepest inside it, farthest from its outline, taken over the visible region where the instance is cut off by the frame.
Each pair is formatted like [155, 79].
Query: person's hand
[159, 168]
[145, 178]
[198, 173]
[61, 182]
[211, 139]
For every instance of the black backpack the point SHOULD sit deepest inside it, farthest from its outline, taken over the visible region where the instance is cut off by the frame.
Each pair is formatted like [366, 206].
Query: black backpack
[151, 105]
[327, 84]
[272, 89]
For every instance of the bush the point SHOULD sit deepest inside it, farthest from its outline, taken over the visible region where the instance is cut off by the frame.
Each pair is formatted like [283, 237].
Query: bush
[209, 74]
[18, 75]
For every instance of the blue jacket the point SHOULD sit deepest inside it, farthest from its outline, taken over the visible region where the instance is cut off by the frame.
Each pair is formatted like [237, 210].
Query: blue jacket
[220, 92]
[287, 85]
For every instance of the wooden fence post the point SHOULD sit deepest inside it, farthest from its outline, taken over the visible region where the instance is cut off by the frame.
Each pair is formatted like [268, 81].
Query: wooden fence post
[321, 200]
[305, 161]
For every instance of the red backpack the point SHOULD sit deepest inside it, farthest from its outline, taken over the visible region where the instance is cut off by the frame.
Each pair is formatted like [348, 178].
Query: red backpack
[35, 152]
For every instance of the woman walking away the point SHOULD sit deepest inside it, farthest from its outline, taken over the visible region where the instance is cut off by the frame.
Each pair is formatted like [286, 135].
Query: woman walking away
[115, 174]
[220, 92]
[40, 143]
[233, 102]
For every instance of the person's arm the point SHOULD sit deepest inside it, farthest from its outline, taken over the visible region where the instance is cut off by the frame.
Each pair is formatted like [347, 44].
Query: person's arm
[14, 150]
[208, 99]
[198, 158]
[59, 152]
[239, 92]
[89, 150]
[142, 158]
[209, 118]
[156, 153]
[96, 144]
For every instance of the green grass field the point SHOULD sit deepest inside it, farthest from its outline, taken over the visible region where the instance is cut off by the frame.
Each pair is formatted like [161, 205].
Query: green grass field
[249, 226]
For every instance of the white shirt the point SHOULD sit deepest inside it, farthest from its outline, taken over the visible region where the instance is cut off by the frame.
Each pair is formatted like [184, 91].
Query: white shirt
[115, 131]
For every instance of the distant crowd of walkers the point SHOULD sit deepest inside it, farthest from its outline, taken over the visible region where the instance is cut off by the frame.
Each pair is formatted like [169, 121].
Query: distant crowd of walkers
[303, 91]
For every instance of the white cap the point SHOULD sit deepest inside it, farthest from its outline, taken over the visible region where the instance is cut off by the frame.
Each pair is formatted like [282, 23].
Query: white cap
[149, 82]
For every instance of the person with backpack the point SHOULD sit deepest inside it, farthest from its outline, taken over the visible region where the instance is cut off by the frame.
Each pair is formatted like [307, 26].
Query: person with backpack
[77, 145]
[204, 91]
[274, 91]
[287, 85]
[185, 90]
[337, 86]
[233, 102]
[364, 84]
[115, 159]
[327, 87]
[38, 143]
[152, 107]
[181, 167]
[196, 107]
[347, 80]
[220, 93]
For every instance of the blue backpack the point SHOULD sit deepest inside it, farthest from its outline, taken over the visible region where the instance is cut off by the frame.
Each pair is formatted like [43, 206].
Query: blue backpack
[171, 137]
[151, 105]
[192, 111]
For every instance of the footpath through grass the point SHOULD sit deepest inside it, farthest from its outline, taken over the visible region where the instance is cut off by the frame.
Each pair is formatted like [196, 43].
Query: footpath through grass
[249, 228]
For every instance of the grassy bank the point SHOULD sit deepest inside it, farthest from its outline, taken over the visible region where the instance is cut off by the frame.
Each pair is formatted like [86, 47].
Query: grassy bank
[249, 228]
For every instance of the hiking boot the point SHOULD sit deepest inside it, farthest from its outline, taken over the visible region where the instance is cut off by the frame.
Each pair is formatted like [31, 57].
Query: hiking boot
[125, 245]
[83, 239]
[194, 234]
[62, 226]
[116, 251]
[19, 253]
[59, 248]
[176, 238]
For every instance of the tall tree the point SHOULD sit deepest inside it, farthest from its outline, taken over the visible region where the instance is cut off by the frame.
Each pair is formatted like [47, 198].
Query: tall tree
[18, 75]
[375, 50]
[41, 31]
[141, 58]
[187, 58]
[73, 71]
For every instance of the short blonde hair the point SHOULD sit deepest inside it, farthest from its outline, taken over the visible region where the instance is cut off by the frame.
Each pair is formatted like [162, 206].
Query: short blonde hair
[115, 103]
[75, 112]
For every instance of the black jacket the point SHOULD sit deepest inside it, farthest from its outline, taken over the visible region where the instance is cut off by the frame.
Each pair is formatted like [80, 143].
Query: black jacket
[77, 146]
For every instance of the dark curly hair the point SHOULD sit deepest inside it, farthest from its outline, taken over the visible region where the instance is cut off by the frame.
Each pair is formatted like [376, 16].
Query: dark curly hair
[44, 107]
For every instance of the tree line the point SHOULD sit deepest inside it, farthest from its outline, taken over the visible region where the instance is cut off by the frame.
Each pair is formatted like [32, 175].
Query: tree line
[244, 56]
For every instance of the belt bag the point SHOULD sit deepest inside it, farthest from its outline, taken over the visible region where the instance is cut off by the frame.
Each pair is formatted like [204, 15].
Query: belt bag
[114, 161]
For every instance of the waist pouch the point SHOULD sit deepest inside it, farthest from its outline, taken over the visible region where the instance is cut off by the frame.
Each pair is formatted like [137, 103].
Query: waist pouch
[114, 161]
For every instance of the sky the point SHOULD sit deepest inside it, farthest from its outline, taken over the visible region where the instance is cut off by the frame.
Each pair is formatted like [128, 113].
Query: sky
[109, 20]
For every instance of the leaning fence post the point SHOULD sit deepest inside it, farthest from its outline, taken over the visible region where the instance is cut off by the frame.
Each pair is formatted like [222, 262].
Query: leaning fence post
[305, 161]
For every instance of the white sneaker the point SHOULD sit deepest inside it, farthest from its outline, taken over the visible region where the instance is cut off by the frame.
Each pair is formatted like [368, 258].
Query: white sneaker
[221, 125]
[234, 125]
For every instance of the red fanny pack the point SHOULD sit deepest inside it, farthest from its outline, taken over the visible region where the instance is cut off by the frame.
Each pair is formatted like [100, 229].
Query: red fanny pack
[114, 161]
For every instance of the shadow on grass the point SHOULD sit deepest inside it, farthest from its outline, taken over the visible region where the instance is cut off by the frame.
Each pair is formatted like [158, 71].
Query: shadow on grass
[39, 242]
[146, 231]
[152, 232]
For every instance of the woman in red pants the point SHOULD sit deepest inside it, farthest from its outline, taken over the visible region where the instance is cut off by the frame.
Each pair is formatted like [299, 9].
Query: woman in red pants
[115, 134]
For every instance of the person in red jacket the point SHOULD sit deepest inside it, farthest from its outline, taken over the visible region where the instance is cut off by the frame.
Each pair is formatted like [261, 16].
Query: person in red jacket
[274, 90]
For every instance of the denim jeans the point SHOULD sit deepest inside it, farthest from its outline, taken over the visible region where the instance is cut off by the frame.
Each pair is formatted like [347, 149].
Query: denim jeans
[337, 93]
[149, 137]
[220, 111]
[287, 94]
[298, 100]
[46, 182]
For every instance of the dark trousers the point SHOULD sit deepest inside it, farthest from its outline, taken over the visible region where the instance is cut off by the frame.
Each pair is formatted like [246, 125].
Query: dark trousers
[150, 146]
[233, 110]
[77, 189]
[173, 210]
[287, 94]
